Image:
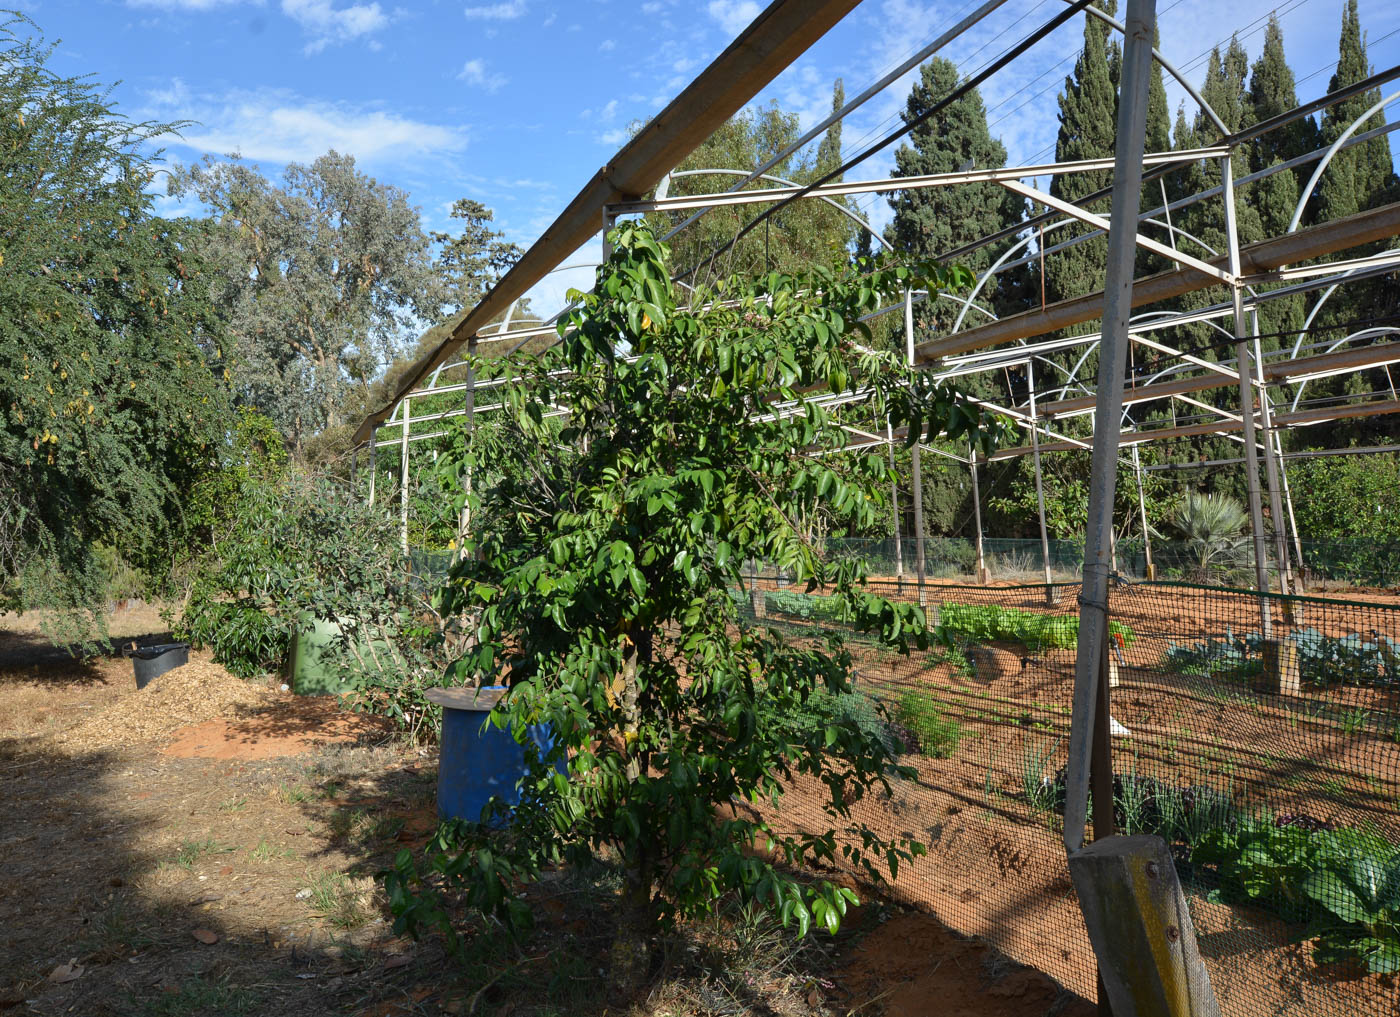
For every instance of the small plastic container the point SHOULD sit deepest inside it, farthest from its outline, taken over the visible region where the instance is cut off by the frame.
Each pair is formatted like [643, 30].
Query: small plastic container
[153, 661]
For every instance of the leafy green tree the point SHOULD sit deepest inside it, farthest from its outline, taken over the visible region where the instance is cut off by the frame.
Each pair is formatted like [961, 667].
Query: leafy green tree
[111, 362]
[319, 279]
[606, 602]
[799, 236]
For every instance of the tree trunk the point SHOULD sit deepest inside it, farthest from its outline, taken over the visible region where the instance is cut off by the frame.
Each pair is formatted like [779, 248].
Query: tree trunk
[630, 958]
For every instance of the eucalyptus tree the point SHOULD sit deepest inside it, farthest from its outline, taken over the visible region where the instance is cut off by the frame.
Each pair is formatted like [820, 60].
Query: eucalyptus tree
[603, 594]
[321, 278]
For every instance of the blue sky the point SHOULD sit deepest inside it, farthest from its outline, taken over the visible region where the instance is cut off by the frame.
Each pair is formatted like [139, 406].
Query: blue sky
[516, 103]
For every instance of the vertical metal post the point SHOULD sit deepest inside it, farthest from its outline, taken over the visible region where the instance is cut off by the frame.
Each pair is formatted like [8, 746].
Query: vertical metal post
[894, 506]
[1292, 519]
[1271, 465]
[464, 524]
[373, 460]
[977, 515]
[1142, 515]
[1089, 684]
[1039, 486]
[403, 477]
[354, 466]
[1246, 374]
[920, 564]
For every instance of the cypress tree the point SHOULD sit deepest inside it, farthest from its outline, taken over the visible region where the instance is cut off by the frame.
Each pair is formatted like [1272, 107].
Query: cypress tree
[1356, 179]
[930, 222]
[1360, 177]
[1272, 92]
[1088, 106]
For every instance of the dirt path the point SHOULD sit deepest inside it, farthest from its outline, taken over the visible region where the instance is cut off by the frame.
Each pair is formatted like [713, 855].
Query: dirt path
[208, 846]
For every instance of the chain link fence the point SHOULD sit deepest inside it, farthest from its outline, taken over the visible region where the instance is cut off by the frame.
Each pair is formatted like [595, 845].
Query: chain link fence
[1258, 735]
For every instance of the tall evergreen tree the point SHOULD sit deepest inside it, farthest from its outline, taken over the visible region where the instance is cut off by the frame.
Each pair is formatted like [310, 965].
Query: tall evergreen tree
[1361, 177]
[1357, 178]
[932, 221]
[1271, 93]
[1087, 121]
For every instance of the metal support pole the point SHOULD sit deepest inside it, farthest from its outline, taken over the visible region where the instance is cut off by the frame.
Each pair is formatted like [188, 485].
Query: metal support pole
[977, 516]
[1039, 485]
[464, 523]
[1142, 515]
[1242, 363]
[373, 461]
[1292, 519]
[894, 506]
[920, 564]
[1108, 413]
[354, 466]
[1271, 464]
[403, 478]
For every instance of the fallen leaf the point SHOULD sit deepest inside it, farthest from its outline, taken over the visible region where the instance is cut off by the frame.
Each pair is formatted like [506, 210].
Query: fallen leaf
[205, 936]
[227, 870]
[397, 960]
[66, 972]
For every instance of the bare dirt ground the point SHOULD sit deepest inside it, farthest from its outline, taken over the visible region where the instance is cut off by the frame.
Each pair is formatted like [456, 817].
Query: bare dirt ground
[207, 846]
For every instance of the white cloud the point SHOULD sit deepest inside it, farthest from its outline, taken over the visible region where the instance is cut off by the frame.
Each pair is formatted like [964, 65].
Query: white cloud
[327, 24]
[607, 45]
[733, 15]
[614, 137]
[508, 11]
[652, 7]
[553, 17]
[474, 72]
[280, 127]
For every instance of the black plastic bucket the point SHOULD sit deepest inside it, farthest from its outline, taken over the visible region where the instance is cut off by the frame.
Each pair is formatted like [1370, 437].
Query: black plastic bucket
[153, 661]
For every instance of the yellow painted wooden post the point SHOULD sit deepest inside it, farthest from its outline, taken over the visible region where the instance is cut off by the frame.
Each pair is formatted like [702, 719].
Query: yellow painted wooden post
[1281, 673]
[1141, 929]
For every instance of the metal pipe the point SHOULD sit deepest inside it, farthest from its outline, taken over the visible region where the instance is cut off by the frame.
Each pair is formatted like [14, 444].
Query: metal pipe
[1271, 465]
[977, 515]
[464, 523]
[894, 505]
[962, 26]
[1039, 485]
[1242, 357]
[373, 462]
[920, 563]
[1142, 515]
[403, 478]
[1089, 698]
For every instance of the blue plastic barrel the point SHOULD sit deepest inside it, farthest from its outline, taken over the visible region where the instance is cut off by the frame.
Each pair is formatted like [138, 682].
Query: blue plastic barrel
[476, 762]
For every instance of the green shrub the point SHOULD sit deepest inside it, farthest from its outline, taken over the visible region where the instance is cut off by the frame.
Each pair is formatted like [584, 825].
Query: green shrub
[306, 546]
[922, 715]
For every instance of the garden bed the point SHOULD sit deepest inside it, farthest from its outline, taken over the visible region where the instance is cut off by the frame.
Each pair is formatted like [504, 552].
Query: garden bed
[996, 866]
